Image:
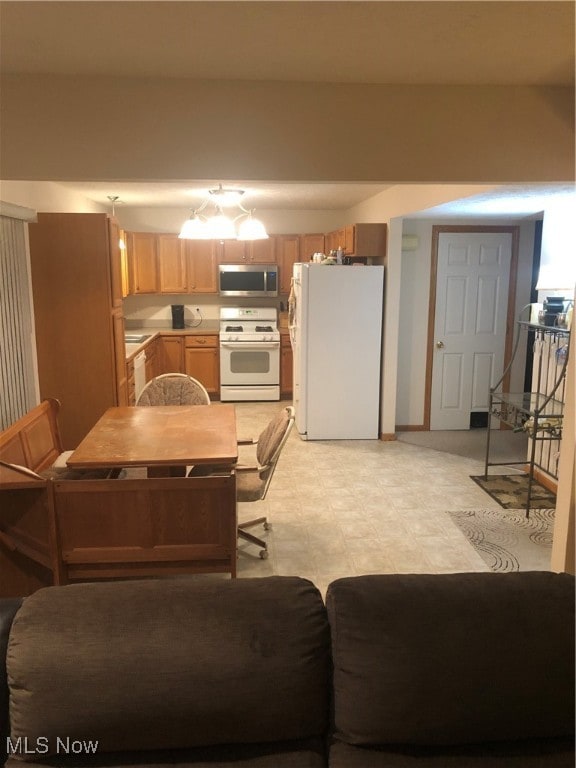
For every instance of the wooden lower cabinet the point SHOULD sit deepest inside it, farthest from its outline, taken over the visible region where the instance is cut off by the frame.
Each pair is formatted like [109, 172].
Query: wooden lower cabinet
[152, 360]
[120, 357]
[286, 366]
[287, 254]
[171, 354]
[131, 386]
[202, 361]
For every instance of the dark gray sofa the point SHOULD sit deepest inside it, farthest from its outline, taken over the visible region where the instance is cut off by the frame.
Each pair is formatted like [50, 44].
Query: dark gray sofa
[396, 671]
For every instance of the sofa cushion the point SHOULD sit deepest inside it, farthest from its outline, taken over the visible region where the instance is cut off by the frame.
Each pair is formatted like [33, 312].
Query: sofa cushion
[452, 658]
[544, 753]
[170, 663]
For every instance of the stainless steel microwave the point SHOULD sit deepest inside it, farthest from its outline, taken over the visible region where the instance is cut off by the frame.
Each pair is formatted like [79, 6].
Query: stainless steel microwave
[248, 280]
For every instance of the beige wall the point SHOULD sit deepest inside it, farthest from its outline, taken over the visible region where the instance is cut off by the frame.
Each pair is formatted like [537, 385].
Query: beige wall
[563, 545]
[414, 308]
[48, 197]
[91, 128]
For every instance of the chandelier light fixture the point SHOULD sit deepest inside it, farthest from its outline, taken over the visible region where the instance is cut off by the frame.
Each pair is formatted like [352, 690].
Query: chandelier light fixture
[219, 226]
[116, 199]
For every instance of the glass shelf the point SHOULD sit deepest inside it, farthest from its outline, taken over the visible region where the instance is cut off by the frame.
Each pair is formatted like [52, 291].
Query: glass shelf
[538, 414]
[554, 329]
[530, 403]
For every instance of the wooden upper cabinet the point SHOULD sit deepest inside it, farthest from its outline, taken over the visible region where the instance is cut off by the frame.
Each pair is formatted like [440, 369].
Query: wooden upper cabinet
[342, 238]
[262, 251]
[116, 280]
[162, 263]
[125, 277]
[309, 244]
[360, 241]
[172, 266]
[246, 251]
[347, 238]
[287, 254]
[143, 262]
[332, 241]
[201, 266]
[369, 240]
[232, 251]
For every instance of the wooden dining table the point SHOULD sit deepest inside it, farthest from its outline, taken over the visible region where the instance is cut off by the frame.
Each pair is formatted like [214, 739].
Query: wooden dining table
[165, 439]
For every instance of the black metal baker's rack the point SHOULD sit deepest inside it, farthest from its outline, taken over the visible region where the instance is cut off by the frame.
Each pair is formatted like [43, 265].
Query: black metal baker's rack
[539, 413]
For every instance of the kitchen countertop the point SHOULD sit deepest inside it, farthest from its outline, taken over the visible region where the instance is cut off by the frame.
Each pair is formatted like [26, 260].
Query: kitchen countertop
[206, 327]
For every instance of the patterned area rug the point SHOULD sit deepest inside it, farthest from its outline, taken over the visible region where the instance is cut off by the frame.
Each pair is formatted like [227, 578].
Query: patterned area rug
[506, 540]
[511, 491]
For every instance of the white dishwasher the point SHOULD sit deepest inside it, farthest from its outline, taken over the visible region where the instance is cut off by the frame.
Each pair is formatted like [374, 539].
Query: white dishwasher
[139, 373]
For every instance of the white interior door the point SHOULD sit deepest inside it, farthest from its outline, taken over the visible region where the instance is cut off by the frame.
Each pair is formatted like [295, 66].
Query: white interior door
[473, 274]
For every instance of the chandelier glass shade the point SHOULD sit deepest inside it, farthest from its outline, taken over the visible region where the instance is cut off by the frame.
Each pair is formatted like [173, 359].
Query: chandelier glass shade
[219, 226]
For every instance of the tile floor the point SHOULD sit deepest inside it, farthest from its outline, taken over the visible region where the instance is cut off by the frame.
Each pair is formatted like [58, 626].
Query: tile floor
[351, 507]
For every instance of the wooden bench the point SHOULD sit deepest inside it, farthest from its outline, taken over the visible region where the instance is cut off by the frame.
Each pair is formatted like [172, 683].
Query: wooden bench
[34, 440]
[55, 530]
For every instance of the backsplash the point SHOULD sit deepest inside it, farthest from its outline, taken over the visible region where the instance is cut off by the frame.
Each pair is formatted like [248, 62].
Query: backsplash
[155, 309]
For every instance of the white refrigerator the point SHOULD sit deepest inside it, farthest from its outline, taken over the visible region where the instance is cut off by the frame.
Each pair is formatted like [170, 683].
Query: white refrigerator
[336, 336]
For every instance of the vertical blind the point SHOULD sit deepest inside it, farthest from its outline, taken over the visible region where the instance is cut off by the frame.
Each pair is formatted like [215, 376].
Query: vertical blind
[18, 391]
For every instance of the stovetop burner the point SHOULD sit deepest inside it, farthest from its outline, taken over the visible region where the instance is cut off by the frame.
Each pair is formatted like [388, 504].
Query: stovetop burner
[245, 325]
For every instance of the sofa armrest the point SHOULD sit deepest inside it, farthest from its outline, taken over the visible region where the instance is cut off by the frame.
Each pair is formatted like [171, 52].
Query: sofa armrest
[8, 609]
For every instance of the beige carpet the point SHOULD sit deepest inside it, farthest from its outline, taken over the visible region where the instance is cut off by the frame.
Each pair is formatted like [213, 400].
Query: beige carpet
[505, 445]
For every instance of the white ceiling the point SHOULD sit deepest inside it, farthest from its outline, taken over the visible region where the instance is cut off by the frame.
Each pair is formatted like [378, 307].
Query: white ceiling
[521, 201]
[463, 42]
[261, 195]
[503, 201]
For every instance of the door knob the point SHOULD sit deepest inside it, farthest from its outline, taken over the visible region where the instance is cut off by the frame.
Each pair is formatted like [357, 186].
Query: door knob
[440, 345]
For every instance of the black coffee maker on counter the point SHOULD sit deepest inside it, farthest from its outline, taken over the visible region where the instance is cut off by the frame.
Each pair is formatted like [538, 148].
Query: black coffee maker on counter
[177, 316]
[553, 306]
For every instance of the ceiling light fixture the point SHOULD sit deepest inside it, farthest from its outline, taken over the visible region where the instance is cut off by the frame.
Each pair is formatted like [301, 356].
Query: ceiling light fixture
[116, 199]
[220, 226]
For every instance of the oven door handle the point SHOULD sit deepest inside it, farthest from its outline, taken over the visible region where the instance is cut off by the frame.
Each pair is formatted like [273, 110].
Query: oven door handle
[250, 344]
